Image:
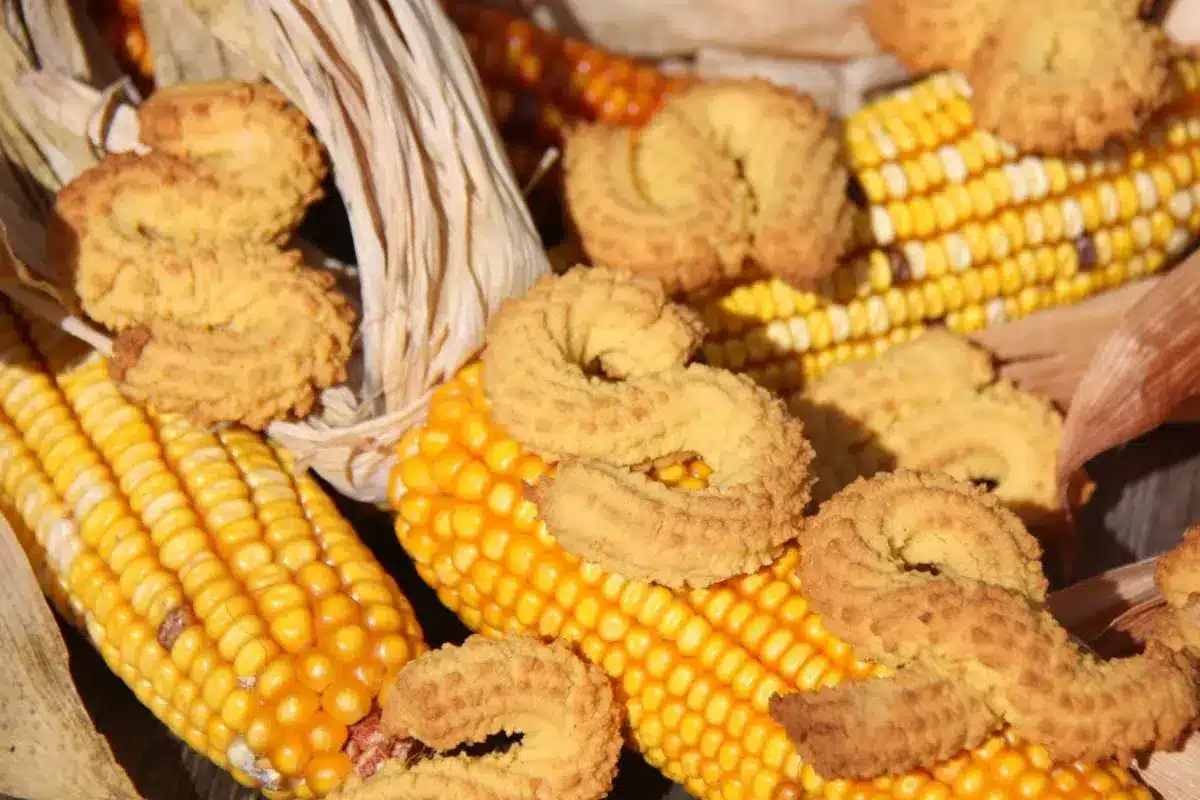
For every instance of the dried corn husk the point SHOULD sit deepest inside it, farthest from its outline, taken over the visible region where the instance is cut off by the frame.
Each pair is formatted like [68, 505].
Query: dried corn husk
[185, 48]
[49, 749]
[441, 231]
[1146, 368]
[820, 29]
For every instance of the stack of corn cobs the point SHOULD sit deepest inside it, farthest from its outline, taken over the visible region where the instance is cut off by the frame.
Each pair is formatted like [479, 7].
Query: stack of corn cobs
[291, 629]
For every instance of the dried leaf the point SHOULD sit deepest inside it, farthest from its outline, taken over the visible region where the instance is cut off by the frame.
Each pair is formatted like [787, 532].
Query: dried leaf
[822, 29]
[49, 749]
[185, 49]
[1141, 373]
[1048, 352]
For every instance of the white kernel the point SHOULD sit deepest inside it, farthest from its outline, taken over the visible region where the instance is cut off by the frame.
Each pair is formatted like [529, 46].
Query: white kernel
[1016, 182]
[958, 251]
[914, 253]
[1146, 190]
[63, 545]
[887, 148]
[960, 84]
[877, 316]
[839, 323]
[952, 163]
[241, 756]
[1077, 171]
[1143, 232]
[1110, 204]
[1182, 205]
[1035, 175]
[798, 328]
[998, 242]
[776, 333]
[1178, 241]
[1035, 228]
[89, 500]
[1072, 218]
[895, 180]
[994, 311]
[881, 226]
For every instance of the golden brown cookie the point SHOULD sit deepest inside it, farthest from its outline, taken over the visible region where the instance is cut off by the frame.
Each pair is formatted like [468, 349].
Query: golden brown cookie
[1066, 76]
[724, 173]
[937, 579]
[180, 253]
[590, 370]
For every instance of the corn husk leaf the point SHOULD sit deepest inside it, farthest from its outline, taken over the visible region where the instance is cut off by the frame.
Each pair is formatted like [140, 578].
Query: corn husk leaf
[49, 748]
[1048, 352]
[185, 49]
[1144, 370]
[1113, 613]
[819, 29]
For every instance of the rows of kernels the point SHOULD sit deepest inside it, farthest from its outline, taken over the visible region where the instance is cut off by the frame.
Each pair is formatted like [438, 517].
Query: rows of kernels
[581, 80]
[749, 332]
[782, 370]
[236, 538]
[695, 669]
[37, 463]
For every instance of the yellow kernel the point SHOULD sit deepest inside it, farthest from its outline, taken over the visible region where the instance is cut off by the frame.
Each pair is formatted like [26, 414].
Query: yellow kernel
[346, 701]
[238, 706]
[276, 678]
[318, 579]
[392, 650]
[336, 610]
[290, 754]
[293, 629]
[326, 772]
[296, 707]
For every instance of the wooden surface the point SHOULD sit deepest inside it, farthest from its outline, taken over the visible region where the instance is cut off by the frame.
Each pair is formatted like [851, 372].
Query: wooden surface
[1147, 492]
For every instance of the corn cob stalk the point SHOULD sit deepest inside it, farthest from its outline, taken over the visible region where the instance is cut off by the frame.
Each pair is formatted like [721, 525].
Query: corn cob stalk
[695, 668]
[216, 580]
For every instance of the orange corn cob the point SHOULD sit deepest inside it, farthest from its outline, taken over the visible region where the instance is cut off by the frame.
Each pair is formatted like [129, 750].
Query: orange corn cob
[694, 668]
[583, 81]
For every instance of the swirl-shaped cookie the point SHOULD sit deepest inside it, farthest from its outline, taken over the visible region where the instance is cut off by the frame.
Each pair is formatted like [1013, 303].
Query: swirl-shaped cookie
[937, 579]
[590, 370]
[179, 252]
[562, 706]
[724, 174]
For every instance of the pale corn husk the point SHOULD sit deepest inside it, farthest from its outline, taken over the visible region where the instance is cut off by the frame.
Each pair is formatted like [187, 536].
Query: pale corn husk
[441, 231]
[49, 748]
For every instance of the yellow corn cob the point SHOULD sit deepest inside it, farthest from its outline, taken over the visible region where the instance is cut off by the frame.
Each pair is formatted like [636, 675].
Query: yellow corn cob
[695, 668]
[220, 584]
[960, 228]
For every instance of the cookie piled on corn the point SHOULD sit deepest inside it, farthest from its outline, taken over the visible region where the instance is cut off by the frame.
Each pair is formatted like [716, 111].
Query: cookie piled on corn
[696, 668]
[959, 228]
[216, 580]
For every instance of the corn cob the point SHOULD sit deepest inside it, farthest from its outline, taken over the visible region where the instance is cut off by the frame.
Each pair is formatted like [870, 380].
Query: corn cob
[216, 580]
[583, 81]
[960, 229]
[120, 23]
[695, 668]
